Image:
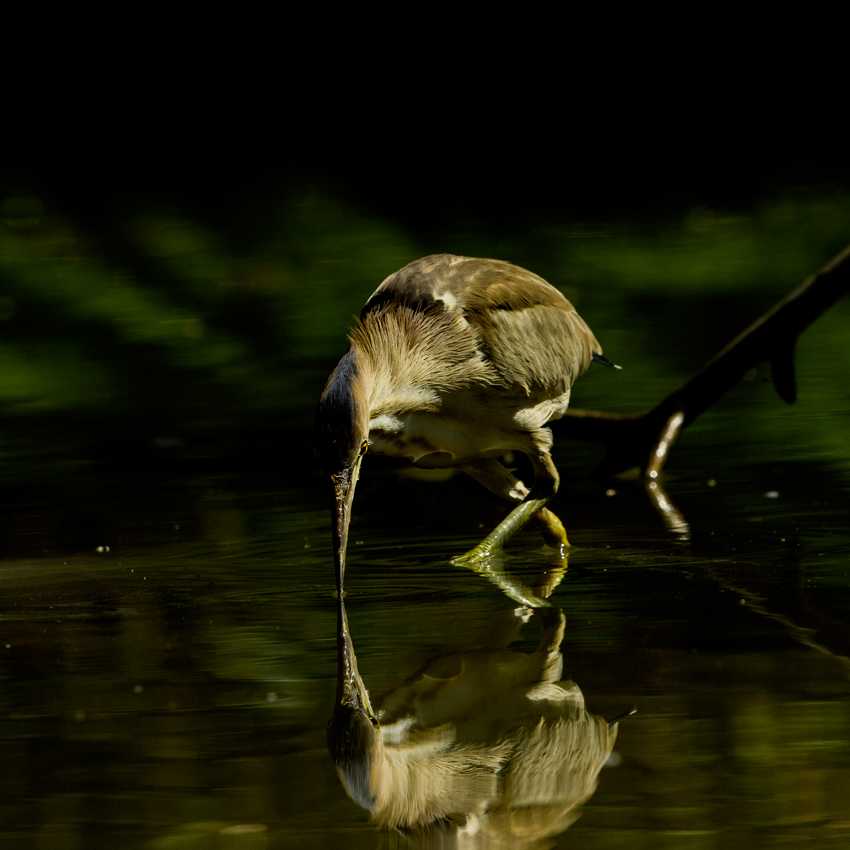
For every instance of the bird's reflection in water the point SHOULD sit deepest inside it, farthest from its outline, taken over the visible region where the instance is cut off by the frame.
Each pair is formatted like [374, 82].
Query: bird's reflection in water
[481, 748]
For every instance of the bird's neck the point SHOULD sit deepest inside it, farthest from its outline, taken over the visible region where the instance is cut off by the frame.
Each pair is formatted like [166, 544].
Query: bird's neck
[386, 385]
[408, 361]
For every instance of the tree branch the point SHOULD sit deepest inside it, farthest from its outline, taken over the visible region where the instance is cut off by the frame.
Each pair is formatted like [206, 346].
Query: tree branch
[644, 439]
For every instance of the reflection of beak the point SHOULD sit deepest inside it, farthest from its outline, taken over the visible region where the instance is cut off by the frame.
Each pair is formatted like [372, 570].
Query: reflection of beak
[354, 736]
[351, 693]
[344, 483]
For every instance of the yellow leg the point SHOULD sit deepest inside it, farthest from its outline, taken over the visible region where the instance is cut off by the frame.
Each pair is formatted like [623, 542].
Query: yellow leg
[545, 487]
[495, 541]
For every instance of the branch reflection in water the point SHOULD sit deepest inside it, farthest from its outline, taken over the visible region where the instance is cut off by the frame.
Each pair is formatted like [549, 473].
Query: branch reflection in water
[484, 747]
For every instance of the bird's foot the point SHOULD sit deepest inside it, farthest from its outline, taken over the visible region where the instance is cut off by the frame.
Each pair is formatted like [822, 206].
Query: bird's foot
[478, 557]
[493, 544]
[552, 529]
[487, 561]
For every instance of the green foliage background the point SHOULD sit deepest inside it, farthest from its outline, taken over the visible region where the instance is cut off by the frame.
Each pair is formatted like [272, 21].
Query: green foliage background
[171, 324]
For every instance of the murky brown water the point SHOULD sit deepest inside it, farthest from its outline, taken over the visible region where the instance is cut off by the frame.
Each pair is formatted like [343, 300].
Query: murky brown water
[167, 620]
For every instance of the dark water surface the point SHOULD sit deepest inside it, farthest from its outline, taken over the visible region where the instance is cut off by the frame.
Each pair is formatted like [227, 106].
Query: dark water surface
[175, 694]
[167, 617]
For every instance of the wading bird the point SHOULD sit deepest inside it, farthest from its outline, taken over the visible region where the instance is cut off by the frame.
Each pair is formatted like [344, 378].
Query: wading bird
[455, 362]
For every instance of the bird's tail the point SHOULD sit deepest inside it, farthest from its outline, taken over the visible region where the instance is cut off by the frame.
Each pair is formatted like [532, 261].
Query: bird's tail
[601, 358]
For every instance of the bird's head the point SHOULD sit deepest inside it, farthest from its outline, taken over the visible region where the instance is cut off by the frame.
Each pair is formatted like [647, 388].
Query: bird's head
[342, 434]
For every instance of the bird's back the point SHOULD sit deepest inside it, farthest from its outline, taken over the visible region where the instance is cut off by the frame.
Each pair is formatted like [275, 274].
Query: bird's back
[524, 329]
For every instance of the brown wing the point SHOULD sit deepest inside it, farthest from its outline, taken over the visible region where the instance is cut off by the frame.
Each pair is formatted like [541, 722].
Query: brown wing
[528, 330]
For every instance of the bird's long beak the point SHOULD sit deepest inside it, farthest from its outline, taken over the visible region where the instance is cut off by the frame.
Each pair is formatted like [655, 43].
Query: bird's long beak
[343, 483]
